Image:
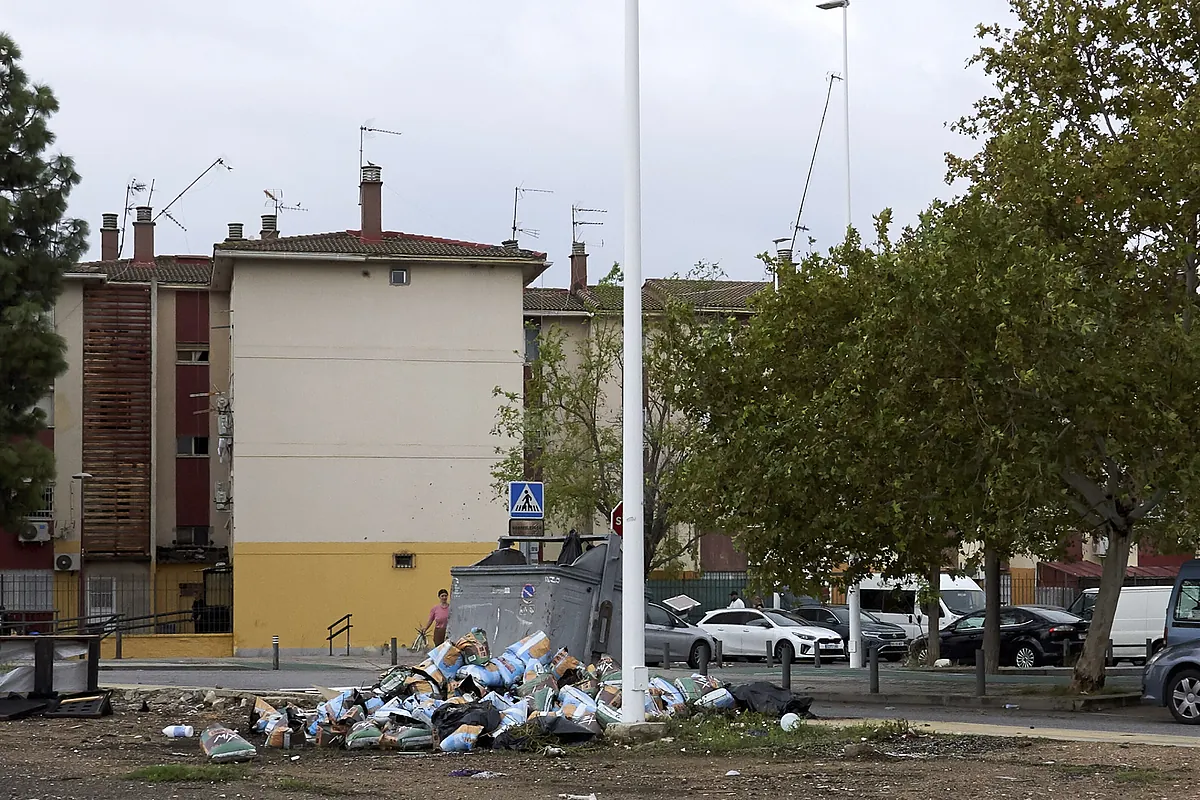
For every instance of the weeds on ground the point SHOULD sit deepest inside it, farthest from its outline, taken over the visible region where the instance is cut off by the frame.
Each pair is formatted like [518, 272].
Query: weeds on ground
[722, 733]
[1128, 775]
[181, 773]
[302, 785]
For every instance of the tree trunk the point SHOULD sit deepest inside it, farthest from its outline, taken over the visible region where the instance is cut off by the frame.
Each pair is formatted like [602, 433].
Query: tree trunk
[933, 616]
[991, 622]
[1089, 670]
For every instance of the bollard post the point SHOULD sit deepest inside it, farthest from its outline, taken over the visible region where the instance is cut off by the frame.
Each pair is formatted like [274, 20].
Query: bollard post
[274, 652]
[720, 654]
[118, 644]
[770, 656]
[1066, 652]
[1108, 654]
[703, 661]
[1149, 648]
[394, 654]
[980, 674]
[786, 661]
[666, 655]
[817, 655]
[874, 664]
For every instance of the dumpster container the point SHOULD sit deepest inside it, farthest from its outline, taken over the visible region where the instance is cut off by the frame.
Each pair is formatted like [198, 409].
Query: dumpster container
[577, 605]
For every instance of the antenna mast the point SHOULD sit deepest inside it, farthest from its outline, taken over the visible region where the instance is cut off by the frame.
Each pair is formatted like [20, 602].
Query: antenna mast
[167, 209]
[519, 192]
[275, 199]
[828, 93]
[577, 223]
[132, 190]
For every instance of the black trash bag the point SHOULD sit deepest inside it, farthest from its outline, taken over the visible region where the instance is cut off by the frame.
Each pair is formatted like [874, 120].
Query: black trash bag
[449, 717]
[765, 698]
[572, 549]
[561, 729]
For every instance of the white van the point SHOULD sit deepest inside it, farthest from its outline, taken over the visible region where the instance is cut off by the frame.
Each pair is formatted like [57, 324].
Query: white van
[897, 601]
[1141, 615]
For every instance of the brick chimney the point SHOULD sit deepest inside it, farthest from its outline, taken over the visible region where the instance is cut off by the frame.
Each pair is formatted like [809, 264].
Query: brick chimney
[143, 236]
[109, 235]
[371, 189]
[270, 227]
[579, 276]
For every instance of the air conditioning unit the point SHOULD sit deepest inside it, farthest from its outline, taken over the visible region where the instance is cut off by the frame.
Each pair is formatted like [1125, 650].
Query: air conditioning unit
[1100, 546]
[221, 497]
[66, 562]
[35, 530]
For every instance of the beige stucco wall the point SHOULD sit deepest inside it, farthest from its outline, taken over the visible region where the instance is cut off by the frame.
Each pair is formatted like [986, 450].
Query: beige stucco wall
[68, 418]
[363, 411]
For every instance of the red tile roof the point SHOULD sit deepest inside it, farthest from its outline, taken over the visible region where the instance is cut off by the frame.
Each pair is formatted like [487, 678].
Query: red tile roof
[1088, 569]
[393, 243]
[190, 270]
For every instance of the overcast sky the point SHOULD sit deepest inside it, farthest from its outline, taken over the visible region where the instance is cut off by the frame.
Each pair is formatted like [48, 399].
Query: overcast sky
[491, 95]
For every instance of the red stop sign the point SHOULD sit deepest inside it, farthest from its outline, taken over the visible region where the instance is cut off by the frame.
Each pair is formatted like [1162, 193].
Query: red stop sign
[616, 520]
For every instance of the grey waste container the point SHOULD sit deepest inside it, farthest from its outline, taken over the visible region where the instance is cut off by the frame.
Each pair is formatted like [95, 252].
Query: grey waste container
[577, 605]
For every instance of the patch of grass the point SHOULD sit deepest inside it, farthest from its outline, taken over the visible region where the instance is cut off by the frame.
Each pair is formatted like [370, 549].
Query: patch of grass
[1130, 775]
[723, 733]
[302, 785]
[182, 773]
[1141, 776]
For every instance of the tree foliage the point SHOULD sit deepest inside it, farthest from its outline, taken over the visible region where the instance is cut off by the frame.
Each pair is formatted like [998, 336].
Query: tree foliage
[569, 433]
[37, 244]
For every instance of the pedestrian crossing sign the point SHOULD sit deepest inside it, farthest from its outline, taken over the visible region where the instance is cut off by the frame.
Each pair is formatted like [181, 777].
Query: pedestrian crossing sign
[525, 500]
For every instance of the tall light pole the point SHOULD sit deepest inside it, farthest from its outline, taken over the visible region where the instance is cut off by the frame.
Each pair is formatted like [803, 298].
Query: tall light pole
[633, 575]
[82, 477]
[853, 599]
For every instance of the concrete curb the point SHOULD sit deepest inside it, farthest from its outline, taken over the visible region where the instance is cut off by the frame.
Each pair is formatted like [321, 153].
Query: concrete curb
[1012, 731]
[1025, 702]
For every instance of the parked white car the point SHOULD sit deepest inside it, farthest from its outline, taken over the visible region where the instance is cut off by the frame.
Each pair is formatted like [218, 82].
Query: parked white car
[1141, 615]
[748, 631]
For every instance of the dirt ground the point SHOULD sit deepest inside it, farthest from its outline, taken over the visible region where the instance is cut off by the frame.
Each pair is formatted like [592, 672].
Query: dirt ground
[42, 759]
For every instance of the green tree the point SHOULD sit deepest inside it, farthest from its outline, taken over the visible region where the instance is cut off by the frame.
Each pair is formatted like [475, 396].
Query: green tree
[37, 244]
[1092, 138]
[570, 432]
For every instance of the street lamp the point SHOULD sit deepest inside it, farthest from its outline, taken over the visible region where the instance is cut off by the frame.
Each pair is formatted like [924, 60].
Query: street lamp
[633, 575]
[81, 589]
[853, 598]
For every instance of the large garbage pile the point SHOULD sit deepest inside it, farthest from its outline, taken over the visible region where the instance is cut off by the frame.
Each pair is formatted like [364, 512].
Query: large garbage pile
[462, 698]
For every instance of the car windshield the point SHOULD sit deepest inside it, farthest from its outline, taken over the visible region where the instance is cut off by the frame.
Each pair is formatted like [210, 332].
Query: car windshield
[963, 601]
[843, 615]
[784, 621]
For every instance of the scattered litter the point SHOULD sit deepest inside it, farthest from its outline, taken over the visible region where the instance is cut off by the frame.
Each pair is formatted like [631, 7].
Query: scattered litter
[223, 745]
[295, 758]
[733, 773]
[578, 796]
[790, 722]
[179, 731]
[1011, 705]
[554, 752]
[479, 774]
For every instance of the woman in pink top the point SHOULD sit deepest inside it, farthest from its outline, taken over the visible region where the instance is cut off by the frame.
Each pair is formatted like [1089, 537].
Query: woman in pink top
[439, 617]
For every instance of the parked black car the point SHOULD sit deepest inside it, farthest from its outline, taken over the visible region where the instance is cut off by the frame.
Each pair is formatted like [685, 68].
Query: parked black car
[1030, 636]
[889, 638]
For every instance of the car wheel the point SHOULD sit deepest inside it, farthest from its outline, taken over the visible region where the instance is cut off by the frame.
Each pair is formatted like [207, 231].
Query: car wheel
[786, 647]
[1183, 696]
[699, 650]
[921, 655]
[1025, 657]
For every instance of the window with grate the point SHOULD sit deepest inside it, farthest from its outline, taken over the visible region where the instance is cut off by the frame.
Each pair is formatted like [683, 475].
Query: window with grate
[47, 509]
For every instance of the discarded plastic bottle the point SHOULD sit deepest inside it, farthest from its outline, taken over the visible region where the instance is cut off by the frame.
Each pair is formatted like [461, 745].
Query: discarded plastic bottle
[178, 731]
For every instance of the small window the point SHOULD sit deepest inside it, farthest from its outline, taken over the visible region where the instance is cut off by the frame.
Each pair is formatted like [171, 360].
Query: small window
[192, 536]
[657, 616]
[192, 446]
[47, 509]
[533, 332]
[1187, 607]
[727, 618]
[403, 560]
[399, 277]
[187, 354]
[972, 623]
[46, 405]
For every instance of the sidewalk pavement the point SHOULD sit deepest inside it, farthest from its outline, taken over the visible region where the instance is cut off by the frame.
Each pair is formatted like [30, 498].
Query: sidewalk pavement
[1054, 734]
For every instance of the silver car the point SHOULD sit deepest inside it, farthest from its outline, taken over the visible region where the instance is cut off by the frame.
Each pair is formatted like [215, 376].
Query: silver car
[1171, 678]
[686, 642]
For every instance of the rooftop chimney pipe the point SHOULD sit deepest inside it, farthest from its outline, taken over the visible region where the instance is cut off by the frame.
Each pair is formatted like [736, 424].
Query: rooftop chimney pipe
[143, 236]
[371, 189]
[579, 274]
[109, 235]
[270, 227]
[235, 232]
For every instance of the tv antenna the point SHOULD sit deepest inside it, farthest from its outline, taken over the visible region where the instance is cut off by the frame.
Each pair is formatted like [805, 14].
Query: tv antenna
[364, 132]
[518, 192]
[132, 190]
[577, 222]
[833, 76]
[275, 199]
[167, 209]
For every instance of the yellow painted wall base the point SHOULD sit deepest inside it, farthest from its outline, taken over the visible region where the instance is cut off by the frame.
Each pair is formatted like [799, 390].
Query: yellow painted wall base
[209, 645]
[295, 590]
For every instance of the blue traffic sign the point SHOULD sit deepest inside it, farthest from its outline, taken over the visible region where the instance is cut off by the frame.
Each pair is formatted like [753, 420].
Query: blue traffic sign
[525, 500]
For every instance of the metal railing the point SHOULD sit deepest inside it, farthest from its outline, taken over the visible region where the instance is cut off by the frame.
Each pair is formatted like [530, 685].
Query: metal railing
[346, 625]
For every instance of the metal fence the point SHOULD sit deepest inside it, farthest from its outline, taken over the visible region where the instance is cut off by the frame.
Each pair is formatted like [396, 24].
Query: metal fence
[174, 602]
[711, 589]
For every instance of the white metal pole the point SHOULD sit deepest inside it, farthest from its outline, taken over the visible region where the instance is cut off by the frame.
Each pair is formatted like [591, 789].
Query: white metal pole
[853, 597]
[633, 576]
